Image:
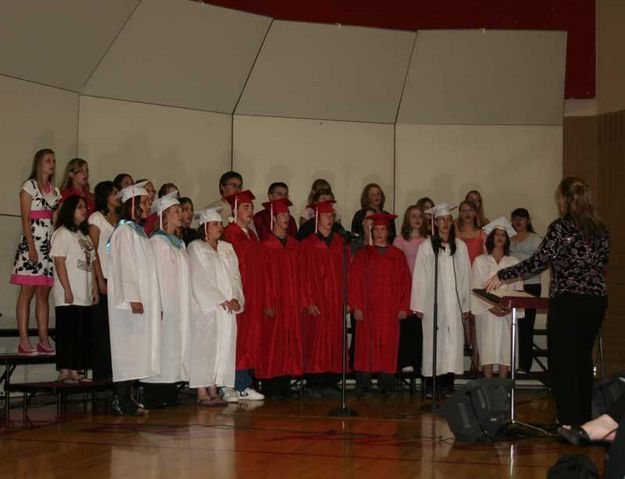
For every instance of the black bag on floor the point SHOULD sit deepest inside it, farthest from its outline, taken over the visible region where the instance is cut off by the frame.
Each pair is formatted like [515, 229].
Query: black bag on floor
[158, 395]
[573, 466]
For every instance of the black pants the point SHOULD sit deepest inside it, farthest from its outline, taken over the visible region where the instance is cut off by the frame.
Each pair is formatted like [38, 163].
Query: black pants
[526, 331]
[322, 380]
[617, 410]
[410, 343]
[278, 386]
[352, 343]
[386, 381]
[101, 340]
[572, 326]
[73, 332]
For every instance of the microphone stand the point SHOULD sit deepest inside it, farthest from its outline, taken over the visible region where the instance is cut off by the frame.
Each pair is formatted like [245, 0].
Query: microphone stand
[436, 246]
[344, 410]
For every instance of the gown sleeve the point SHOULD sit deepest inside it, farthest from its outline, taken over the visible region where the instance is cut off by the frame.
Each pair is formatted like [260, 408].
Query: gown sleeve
[404, 284]
[464, 278]
[204, 289]
[478, 277]
[127, 267]
[355, 288]
[417, 296]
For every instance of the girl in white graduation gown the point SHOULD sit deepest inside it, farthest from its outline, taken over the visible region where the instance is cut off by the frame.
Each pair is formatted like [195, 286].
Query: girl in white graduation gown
[454, 300]
[217, 297]
[134, 303]
[172, 268]
[494, 323]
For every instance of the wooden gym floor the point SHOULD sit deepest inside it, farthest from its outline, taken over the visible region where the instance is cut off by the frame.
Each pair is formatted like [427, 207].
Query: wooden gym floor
[391, 438]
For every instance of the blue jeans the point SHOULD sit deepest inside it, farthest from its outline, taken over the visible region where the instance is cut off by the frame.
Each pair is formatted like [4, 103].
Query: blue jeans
[242, 379]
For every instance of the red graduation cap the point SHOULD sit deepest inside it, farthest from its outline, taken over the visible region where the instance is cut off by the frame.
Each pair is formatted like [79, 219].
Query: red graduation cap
[320, 208]
[381, 219]
[281, 205]
[239, 198]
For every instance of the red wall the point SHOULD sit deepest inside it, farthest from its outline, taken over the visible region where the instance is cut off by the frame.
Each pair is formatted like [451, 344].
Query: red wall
[577, 17]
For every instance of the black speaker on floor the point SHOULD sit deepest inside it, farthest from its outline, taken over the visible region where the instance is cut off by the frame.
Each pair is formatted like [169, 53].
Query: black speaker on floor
[480, 410]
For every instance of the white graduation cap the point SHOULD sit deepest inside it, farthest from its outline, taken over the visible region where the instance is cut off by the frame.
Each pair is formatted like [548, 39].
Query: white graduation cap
[501, 223]
[138, 189]
[208, 215]
[164, 202]
[440, 209]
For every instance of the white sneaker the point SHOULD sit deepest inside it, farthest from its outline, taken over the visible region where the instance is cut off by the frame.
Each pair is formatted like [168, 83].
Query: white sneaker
[229, 395]
[250, 394]
[407, 369]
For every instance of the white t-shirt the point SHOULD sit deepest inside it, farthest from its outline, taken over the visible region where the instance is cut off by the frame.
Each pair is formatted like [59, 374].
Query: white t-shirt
[106, 230]
[79, 256]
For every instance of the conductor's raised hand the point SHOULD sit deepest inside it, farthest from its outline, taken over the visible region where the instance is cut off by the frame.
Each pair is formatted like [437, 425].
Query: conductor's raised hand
[402, 315]
[358, 316]
[492, 283]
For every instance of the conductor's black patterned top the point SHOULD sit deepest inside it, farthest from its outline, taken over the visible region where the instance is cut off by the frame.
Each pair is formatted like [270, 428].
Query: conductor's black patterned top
[577, 263]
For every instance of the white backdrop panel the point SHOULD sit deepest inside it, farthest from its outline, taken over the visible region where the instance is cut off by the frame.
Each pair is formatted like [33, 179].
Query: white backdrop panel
[187, 147]
[181, 53]
[33, 117]
[349, 155]
[58, 42]
[512, 166]
[328, 72]
[477, 77]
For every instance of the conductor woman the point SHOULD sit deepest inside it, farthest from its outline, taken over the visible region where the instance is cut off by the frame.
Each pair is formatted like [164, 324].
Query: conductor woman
[576, 249]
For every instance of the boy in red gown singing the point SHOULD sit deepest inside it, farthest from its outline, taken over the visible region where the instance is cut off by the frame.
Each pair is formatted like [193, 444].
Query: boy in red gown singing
[321, 294]
[379, 295]
[245, 244]
[280, 336]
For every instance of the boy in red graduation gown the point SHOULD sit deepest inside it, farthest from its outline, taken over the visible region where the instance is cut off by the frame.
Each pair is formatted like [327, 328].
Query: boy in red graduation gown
[280, 335]
[321, 296]
[262, 219]
[245, 244]
[379, 295]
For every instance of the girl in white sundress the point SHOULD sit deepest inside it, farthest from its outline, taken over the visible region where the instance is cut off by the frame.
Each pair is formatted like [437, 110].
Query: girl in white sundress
[33, 267]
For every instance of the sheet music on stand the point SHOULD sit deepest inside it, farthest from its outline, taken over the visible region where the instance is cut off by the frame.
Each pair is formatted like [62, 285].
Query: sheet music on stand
[495, 296]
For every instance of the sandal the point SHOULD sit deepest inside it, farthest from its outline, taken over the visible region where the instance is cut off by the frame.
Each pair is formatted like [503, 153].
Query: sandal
[82, 379]
[577, 436]
[214, 401]
[66, 380]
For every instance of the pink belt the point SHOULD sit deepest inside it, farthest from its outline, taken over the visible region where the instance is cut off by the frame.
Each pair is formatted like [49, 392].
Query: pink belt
[41, 215]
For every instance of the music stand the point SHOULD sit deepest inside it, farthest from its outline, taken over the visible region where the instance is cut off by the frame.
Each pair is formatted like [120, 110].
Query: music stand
[515, 300]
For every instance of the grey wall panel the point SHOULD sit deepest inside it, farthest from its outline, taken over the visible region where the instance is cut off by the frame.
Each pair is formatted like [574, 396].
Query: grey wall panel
[181, 53]
[58, 42]
[328, 72]
[477, 77]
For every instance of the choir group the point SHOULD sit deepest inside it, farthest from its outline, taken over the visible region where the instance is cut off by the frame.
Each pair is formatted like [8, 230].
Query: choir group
[244, 298]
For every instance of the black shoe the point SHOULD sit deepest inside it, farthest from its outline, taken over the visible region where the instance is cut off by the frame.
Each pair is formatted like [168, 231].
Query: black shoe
[577, 436]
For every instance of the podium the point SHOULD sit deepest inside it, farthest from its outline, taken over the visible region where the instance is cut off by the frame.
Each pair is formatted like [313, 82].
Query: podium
[514, 300]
